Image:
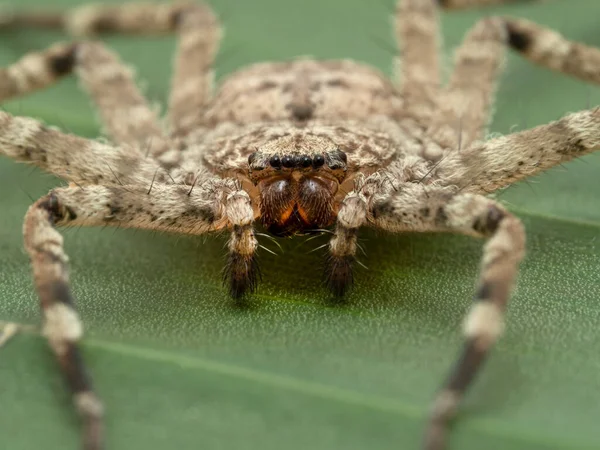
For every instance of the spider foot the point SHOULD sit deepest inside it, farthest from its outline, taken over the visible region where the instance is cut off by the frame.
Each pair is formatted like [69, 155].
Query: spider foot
[241, 274]
[338, 274]
[91, 411]
[444, 410]
[8, 331]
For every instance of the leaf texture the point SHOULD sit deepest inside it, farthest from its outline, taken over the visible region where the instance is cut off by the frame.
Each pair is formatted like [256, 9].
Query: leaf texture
[179, 366]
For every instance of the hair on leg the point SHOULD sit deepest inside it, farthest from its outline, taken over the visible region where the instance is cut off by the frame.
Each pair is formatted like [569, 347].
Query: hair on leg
[418, 66]
[36, 70]
[125, 113]
[463, 4]
[62, 327]
[549, 49]
[213, 205]
[438, 209]
[465, 104]
[342, 247]
[353, 214]
[463, 111]
[191, 87]
[98, 18]
[73, 158]
[487, 166]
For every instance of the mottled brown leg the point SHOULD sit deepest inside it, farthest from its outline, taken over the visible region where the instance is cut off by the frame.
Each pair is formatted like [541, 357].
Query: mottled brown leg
[464, 105]
[211, 204]
[36, 70]
[418, 72]
[7, 331]
[73, 158]
[352, 215]
[491, 165]
[342, 247]
[98, 18]
[126, 115]
[62, 326]
[548, 48]
[191, 87]
[112, 87]
[463, 4]
[411, 208]
[485, 322]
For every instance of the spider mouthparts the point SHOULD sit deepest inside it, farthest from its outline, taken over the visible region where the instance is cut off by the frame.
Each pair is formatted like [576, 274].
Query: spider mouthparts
[289, 206]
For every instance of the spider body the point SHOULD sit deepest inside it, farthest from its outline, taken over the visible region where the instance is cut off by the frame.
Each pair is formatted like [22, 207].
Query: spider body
[303, 90]
[297, 146]
[291, 167]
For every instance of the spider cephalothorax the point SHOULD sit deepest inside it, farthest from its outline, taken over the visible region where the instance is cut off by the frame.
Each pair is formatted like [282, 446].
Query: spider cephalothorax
[299, 145]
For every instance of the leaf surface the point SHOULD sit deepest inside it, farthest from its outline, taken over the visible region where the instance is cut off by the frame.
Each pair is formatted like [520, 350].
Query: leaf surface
[179, 366]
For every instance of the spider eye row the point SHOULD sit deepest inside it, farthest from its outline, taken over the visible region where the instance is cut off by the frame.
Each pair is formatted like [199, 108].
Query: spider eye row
[298, 161]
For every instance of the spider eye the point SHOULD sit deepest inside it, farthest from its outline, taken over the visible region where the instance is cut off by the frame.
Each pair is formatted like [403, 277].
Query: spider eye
[342, 155]
[318, 161]
[251, 158]
[287, 162]
[336, 159]
[297, 160]
[305, 161]
[275, 162]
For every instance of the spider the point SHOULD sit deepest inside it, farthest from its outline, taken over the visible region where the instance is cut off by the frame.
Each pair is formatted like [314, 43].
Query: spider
[295, 146]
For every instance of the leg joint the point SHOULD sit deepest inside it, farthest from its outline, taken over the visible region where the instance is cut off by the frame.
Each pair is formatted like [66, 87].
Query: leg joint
[518, 39]
[488, 222]
[62, 62]
[58, 212]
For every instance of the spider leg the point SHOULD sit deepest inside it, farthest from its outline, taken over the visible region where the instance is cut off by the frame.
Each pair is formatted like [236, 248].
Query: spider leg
[409, 207]
[487, 166]
[463, 110]
[98, 18]
[212, 205]
[192, 83]
[36, 70]
[412, 208]
[344, 243]
[438, 209]
[462, 4]
[73, 158]
[62, 326]
[418, 66]
[124, 110]
[548, 48]
[466, 102]
[7, 331]
[125, 113]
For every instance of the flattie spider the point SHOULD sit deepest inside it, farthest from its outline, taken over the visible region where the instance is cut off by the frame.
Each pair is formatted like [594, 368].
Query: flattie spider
[297, 146]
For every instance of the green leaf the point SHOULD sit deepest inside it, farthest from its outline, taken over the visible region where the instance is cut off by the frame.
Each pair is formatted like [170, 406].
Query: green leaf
[179, 366]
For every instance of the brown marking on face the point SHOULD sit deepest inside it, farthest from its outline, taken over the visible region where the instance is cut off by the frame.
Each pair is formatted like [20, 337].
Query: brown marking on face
[277, 196]
[289, 206]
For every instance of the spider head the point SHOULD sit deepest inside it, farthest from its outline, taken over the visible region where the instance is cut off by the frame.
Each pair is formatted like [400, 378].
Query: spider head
[297, 190]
